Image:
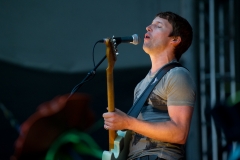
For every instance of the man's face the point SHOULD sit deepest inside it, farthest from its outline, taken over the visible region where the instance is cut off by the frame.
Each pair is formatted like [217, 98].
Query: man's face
[157, 37]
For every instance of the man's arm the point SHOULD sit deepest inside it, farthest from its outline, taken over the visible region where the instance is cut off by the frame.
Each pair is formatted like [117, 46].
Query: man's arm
[173, 131]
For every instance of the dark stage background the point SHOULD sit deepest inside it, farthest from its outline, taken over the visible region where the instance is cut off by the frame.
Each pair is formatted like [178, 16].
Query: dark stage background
[24, 89]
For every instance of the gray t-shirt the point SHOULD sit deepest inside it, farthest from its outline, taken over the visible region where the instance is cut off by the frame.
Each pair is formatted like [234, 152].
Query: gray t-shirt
[175, 88]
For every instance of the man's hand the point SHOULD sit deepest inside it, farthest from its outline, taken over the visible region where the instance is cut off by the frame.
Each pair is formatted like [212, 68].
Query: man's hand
[116, 120]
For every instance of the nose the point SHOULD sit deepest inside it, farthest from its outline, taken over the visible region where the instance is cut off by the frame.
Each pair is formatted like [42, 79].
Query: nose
[148, 28]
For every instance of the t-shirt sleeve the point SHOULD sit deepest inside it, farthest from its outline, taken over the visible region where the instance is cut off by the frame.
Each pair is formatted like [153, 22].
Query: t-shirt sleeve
[179, 88]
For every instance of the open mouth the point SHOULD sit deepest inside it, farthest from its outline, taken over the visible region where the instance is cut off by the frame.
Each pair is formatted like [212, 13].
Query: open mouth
[146, 36]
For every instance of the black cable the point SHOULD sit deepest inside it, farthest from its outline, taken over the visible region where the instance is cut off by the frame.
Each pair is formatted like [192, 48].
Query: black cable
[100, 41]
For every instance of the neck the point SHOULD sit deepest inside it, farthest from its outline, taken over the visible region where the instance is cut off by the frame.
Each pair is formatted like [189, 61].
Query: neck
[159, 60]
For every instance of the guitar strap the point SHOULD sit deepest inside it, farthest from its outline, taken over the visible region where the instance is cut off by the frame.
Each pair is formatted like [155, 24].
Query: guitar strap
[137, 106]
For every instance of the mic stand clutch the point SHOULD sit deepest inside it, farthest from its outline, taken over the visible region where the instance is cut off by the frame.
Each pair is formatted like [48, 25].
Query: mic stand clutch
[88, 77]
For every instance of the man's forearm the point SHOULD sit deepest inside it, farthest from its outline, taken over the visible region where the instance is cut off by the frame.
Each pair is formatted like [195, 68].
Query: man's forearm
[163, 131]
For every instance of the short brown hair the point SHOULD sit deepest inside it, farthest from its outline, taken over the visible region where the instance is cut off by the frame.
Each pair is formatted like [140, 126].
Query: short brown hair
[181, 28]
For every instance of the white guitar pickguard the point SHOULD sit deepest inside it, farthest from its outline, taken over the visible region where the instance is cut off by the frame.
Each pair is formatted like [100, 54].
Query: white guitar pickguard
[121, 147]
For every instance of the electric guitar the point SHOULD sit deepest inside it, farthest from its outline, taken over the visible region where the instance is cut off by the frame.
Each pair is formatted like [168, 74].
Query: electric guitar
[118, 141]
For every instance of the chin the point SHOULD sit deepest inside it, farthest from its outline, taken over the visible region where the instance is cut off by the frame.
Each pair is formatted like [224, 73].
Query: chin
[145, 48]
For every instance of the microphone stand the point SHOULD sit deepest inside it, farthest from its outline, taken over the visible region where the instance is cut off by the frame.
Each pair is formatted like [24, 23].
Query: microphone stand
[89, 74]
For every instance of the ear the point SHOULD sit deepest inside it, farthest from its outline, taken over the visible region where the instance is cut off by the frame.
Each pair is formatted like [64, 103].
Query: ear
[176, 40]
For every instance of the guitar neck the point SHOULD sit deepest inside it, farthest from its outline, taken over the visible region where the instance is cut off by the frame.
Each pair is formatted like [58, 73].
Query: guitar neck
[111, 56]
[111, 107]
[117, 149]
[110, 91]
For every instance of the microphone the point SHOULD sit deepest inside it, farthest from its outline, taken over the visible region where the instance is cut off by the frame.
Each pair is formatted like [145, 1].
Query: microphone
[134, 39]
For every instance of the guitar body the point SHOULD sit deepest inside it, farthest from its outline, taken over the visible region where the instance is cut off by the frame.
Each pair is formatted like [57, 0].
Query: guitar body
[121, 147]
